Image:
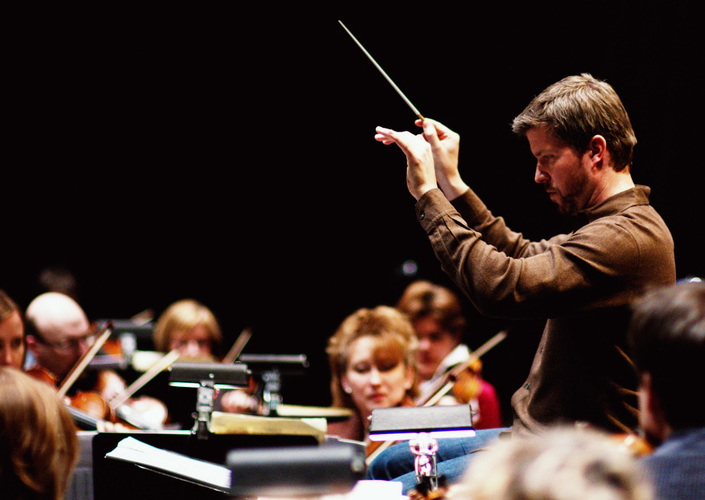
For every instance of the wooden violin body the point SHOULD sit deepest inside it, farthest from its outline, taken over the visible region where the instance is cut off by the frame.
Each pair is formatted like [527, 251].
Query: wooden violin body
[92, 407]
[88, 408]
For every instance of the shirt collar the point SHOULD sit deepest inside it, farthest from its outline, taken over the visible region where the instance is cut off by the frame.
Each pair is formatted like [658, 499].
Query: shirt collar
[638, 195]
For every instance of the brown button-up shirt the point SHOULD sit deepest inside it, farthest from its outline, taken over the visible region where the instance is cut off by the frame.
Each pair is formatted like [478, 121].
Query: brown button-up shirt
[581, 282]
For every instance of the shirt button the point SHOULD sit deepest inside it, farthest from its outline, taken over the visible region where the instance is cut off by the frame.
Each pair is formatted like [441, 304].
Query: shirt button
[422, 215]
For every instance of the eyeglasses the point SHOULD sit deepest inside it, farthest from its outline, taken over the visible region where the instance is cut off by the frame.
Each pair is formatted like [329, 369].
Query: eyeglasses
[71, 343]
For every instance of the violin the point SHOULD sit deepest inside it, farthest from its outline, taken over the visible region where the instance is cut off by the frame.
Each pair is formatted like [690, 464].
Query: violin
[88, 403]
[143, 412]
[88, 408]
[466, 383]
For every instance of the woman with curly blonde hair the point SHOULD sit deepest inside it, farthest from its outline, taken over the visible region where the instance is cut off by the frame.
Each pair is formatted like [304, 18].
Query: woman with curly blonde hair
[372, 363]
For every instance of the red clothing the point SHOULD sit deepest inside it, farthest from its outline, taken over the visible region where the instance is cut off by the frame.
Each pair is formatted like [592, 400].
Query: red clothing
[490, 414]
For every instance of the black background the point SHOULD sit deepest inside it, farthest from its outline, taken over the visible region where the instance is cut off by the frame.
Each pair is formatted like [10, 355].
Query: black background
[227, 153]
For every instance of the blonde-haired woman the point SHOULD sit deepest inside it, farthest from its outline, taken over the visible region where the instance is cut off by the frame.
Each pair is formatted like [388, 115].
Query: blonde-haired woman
[372, 365]
[190, 327]
[38, 441]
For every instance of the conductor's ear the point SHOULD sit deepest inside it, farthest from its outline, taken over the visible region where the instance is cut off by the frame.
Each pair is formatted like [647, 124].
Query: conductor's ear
[597, 149]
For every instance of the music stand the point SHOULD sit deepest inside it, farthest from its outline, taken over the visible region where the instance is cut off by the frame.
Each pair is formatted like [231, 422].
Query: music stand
[422, 426]
[295, 471]
[207, 377]
[270, 368]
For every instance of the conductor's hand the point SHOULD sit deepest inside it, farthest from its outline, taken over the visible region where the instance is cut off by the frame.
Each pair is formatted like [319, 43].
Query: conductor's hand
[420, 174]
[444, 145]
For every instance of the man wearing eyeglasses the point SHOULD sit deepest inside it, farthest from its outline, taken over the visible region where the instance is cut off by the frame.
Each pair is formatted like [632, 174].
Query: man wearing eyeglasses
[58, 334]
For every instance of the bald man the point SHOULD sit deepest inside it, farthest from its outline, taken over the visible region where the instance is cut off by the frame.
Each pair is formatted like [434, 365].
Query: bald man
[58, 333]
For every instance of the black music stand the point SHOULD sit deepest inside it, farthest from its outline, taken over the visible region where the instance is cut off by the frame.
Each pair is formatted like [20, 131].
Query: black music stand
[206, 378]
[121, 480]
[270, 368]
[296, 471]
[421, 426]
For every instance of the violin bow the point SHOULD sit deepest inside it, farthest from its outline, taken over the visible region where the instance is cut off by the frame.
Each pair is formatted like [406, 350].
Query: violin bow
[166, 361]
[81, 365]
[237, 347]
[448, 382]
[163, 363]
[449, 379]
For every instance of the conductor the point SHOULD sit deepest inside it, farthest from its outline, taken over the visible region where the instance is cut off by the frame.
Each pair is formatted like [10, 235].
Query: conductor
[581, 283]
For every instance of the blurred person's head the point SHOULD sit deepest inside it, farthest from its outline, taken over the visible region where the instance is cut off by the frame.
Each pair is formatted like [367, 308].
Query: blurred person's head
[38, 441]
[561, 464]
[189, 327]
[437, 317]
[667, 341]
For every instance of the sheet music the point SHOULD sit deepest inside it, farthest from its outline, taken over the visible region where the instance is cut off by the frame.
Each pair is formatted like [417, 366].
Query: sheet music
[219, 477]
[137, 452]
[237, 423]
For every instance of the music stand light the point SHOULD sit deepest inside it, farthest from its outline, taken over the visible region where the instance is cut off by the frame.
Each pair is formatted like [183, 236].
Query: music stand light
[207, 377]
[422, 426]
[270, 368]
[295, 471]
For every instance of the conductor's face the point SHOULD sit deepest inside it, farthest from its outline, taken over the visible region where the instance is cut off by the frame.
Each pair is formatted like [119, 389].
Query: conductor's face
[561, 170]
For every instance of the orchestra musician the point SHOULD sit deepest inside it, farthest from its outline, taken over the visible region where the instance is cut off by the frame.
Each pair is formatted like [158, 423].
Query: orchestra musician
[58, 336]
[37, 438]
[564, 462]
[437, 316]
[12, 343]
[372, 363]
[667, 342]
[580, 283]
[190, 327]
